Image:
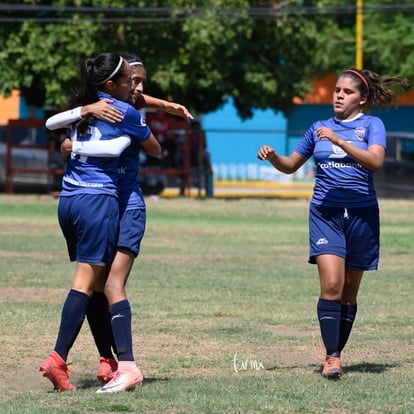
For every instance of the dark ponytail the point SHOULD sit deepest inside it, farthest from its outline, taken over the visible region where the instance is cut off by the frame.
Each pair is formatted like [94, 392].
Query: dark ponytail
[380, 91]
[94, 73]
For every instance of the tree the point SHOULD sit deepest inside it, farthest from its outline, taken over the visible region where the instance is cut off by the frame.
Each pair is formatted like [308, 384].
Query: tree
[260, 52]
[388, 37]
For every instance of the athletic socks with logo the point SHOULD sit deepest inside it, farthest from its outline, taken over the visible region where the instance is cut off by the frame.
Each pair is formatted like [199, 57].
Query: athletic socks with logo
[336, 323]
[121, 328]
[329, 315]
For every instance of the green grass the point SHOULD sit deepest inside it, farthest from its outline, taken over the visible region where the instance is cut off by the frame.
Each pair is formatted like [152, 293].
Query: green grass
[224, 310]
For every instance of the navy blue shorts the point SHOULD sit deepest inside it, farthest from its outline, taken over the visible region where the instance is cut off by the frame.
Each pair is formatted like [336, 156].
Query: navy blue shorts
[350, 233]
[89, 223]
[132, 229]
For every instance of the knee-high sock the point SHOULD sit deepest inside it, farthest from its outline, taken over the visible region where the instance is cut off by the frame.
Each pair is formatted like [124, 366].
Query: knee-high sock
[329, 315]
[99, 321]
[348, 313]
[72, 317]
[121, 328]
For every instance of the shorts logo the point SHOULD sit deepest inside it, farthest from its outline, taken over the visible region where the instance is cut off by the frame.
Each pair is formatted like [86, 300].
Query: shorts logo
[322, 240]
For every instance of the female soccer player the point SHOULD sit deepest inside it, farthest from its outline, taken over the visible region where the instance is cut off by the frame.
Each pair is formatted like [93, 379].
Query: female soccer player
[131, 231]
[88, 209]
[121, 374]
[343, 214]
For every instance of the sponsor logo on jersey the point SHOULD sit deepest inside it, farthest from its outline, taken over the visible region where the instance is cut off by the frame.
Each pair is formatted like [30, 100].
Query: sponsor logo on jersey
[333, 164]
[337, 152]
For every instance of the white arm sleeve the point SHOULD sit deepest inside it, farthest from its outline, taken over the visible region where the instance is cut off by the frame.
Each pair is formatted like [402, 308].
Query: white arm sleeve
[63, 119]
[106, 148]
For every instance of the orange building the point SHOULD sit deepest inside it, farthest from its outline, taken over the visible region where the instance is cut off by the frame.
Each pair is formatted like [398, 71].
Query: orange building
[14, 107]
[9, 107]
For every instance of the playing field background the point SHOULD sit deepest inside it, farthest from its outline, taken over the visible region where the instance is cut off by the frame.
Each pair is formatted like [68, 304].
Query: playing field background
[224, 310]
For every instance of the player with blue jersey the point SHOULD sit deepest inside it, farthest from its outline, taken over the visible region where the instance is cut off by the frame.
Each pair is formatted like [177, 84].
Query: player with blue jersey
[88, 209]
[343, 214]
[119, 375]
[84, 173]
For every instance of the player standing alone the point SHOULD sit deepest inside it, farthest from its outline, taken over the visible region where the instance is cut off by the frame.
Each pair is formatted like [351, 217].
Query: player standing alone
[343, 213]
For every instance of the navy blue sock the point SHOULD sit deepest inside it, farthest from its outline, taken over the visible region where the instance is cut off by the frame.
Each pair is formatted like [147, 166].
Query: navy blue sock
[348, 313]
[99, 321]
[121, 328]
[329, 315]
[73, 315]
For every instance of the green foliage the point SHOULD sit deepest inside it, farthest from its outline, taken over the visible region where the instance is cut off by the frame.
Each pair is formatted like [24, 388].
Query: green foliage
[200, 54]
[391, 54]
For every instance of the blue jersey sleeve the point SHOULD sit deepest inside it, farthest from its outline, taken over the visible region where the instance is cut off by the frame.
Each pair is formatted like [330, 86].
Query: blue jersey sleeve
[135, 125]
[376, 132]
[132, 124]
[306, 146]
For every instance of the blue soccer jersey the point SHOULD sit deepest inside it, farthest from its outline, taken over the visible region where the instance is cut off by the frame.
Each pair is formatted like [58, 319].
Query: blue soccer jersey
[130, 194]
[340, 180]
[89, 174]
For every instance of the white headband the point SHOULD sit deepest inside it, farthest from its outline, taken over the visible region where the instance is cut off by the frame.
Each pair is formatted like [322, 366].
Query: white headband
[113, 73]
[136, 64]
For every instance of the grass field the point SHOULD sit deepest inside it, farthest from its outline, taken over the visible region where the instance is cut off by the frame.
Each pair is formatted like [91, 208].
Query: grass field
[224, 310]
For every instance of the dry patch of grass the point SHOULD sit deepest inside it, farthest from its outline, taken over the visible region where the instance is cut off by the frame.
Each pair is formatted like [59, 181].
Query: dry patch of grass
[224, 313]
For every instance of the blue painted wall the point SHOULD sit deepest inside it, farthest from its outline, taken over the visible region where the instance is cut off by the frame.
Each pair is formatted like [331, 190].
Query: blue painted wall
[26, 112]
[233, 143]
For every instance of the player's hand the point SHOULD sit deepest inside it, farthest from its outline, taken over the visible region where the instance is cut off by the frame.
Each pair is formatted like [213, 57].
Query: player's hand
[179, 110]
[324, 132]
[66, 148]
[102, 110]
[265, 153]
